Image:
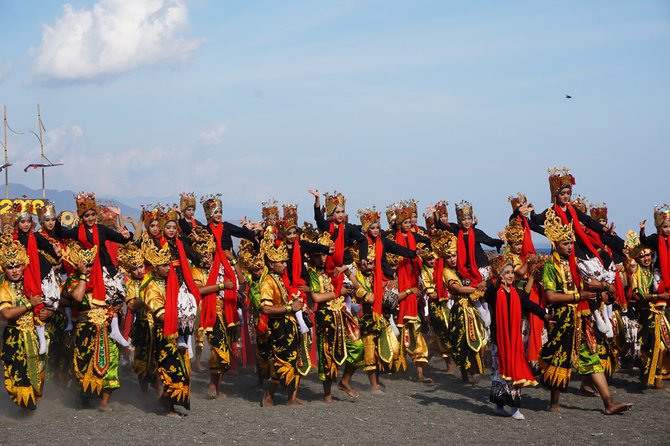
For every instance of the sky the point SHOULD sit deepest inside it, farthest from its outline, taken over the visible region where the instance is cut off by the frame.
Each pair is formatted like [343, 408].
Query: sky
[382, 100]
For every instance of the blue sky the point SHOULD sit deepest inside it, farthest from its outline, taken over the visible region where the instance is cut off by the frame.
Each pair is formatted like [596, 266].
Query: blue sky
[383, 100]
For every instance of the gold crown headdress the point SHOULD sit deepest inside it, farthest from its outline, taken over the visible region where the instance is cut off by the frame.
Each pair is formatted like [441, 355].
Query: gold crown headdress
[634, 246]
[429, 217]
[171, 214]
[356, 254]
[425, 251]
[48, 210]
[151, 214]
[106, 216]
[404, 210]
[73, 253]
[206, 242]
[333, 201]
[154, 256]
[211, 203]
[23, 208]
[441, 207]
[186, 200]
[517, 200]
[580, 203]
[8, 219]
[559, 178]
[498, 263]
[555, 230]
[661, 214]
[536, 261]
[598, 211]
[85, 202]
[514, 232]
[393, 259]
[443, 242]
[129, 257]
[273, 252]
[390, 214]
[269, 208]
[249, 257]
[368, 217]
[12, 252]
[290, 218]
[463, 210]
[308, 232]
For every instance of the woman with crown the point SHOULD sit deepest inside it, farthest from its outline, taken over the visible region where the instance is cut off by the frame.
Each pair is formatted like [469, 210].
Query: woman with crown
[467, 333]
[572, 342]
[211, 285]
[187, 221]
[106, 281]
[96, 359]
[161, 296]
[40, 278]
[23, 365]
[280, 306]
[509, 368]
[131, 260]
[653, 320]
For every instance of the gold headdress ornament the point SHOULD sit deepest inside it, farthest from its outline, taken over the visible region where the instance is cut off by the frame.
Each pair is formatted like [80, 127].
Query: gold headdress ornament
[129, 257]
[634, 246]
[598, 211]
[498, 263]
[48, 210]
[558, 179]
[8, 219]
[73, 253]
[269, 208]
[580, 203]
[106, 216]
[443, 242]
[517, 200]
[151, 214]
[23, 208]
[333, 201]
[441, 207]
[368, 217]
[536, 261]
[249, 257]
[290, 218]
[12, 252]
[85, 202]
[404, 210]
[170, 214]
[661, 214]
[463, 210]
[514, 232]
[154, 256]
[186, 200]
[324, 239]
[308, 232]
[425, 251]
[211, 203]
[393, 259]
[356, 254]
[206, 242]
[390, 215]
[555, 230]
[274, 253]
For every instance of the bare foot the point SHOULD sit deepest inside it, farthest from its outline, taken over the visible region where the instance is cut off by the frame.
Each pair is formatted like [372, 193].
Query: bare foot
[328, 399]
[348, 390]
[555, 408]
[587, 390]
[295, 403]
[198, 367]
[211, 394]
[376, 390]
[267, 400]
[424, 379]
[173, 414]
[616, 408]
[233, 373]
[104, 408]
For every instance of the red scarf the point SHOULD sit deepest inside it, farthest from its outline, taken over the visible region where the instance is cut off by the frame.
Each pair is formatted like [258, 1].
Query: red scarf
[512, 364]
[527, 247]
[229, 296]
[619, 292]
[470, 272]
[32, 278]
[439, 280]
[579, 231]
[337, 259]
[170, 325]
[378, 278]
[408, 277]
[536, 325]
[96, 285]
[296, 269]
[663, 249]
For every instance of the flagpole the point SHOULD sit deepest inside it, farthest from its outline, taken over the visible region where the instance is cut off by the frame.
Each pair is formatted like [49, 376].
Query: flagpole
[39, 124]
[6, 157]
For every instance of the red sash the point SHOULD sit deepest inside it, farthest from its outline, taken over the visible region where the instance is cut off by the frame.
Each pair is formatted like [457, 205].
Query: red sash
[96, 284]
[512, 364]
[337, 259]
[527, 248]
[378, 279]
[536, 325]
[470, 272]
[229, 296]
[408, 277]
[663, 250]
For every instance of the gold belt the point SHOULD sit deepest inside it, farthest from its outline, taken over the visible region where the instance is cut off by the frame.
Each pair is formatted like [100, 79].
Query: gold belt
[96, 316]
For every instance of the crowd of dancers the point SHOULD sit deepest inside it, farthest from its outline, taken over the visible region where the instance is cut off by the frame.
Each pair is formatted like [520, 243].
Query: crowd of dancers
[336, 296]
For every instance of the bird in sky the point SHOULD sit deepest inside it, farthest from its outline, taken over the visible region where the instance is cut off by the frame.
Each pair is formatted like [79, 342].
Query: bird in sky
[567, 96]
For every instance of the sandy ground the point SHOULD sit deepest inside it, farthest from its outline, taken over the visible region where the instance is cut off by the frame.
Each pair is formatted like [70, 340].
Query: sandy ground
[408, 413]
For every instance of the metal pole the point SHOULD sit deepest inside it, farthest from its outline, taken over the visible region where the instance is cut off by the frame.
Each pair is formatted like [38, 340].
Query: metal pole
[39, 123]
[6, 157]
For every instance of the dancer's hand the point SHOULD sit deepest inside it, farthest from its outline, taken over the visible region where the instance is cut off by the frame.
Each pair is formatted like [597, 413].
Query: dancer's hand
[296, 305]
[314, 192]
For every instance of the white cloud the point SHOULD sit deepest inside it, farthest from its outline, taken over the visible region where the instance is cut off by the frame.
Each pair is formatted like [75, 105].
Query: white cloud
[214, 136]
[112, 38]
[5, 68]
